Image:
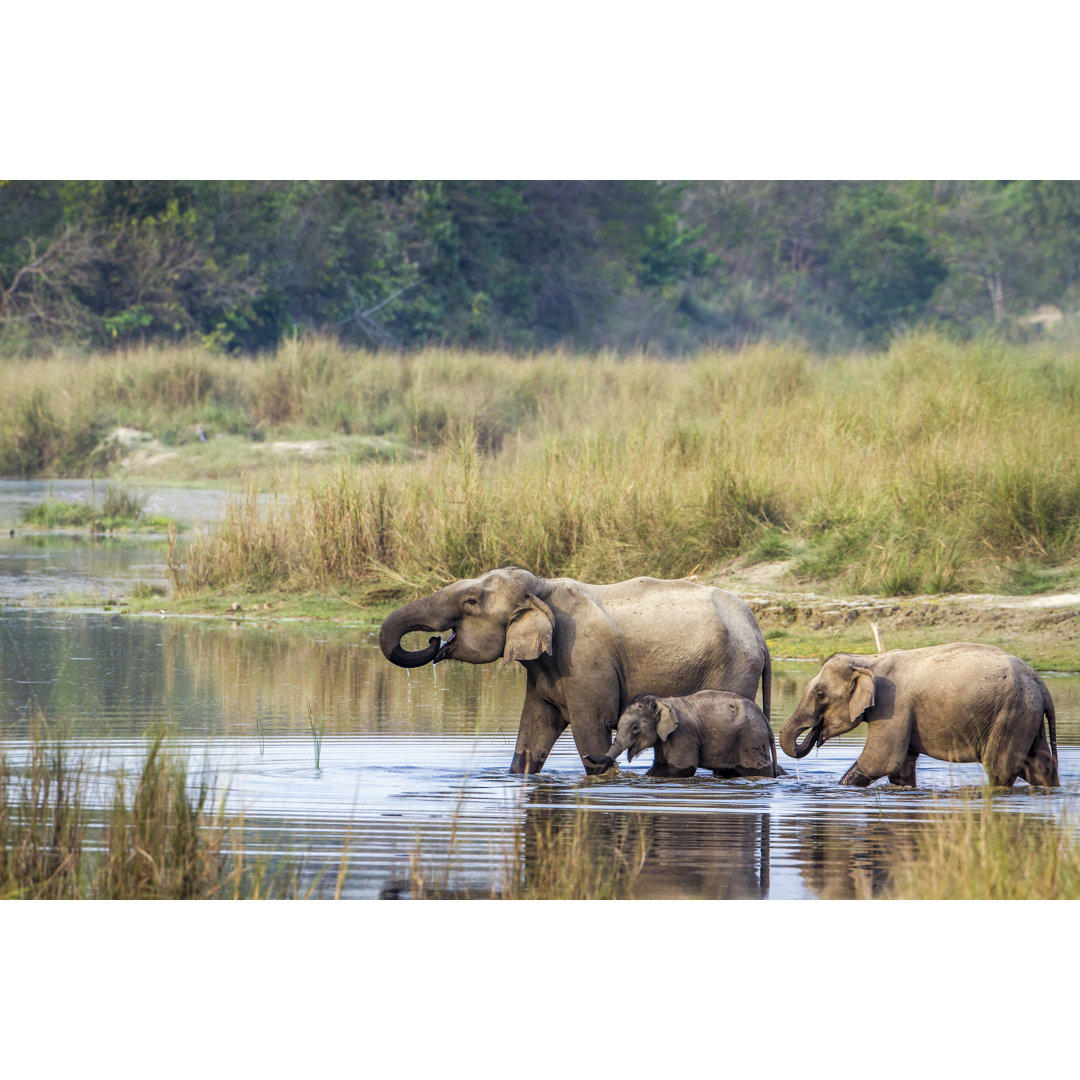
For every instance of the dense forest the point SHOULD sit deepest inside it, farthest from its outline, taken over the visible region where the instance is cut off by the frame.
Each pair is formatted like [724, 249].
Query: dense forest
[521, 265]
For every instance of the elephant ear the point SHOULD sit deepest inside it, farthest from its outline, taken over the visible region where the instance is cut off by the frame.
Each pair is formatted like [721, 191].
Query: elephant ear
[862, 692]
[667, 722]
[528, 634]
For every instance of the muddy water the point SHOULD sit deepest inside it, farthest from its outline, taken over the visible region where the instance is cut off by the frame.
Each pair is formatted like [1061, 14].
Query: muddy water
[412, 766]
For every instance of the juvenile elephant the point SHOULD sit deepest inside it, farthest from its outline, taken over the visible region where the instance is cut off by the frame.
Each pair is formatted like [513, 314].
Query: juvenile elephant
[711, 729]
[960, 702]
[587, 649]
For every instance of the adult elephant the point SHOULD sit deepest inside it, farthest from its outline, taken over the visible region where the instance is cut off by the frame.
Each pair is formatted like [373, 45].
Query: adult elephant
[959, 702]
[588, 650]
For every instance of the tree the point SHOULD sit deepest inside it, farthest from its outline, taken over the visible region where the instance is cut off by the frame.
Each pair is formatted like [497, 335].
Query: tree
[882, 264]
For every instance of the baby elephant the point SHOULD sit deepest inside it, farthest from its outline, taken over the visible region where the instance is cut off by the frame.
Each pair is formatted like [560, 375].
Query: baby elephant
[711, 729]
[959, 702]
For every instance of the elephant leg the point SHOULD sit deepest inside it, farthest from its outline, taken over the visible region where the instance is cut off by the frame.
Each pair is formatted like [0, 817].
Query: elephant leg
[884, 754]
[664, 769]
[592, 736]
[594, 713]
[1002, 770]
[905, 775]
[541, 724]
[855, 777]
[1039, 768]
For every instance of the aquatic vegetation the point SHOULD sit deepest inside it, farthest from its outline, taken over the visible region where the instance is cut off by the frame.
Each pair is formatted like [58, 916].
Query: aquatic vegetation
[558, 856]
[982, 851]
[121, 509]
[316, 733]
[159, 839]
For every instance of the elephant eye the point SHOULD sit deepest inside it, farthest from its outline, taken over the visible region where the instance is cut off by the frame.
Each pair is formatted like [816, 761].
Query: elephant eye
[471, 601]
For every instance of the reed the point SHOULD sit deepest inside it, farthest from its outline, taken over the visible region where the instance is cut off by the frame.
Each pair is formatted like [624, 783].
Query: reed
[316, 733]
[932, 466]
[159, 839]
[982, 851]
[560, 855]
[559, 858]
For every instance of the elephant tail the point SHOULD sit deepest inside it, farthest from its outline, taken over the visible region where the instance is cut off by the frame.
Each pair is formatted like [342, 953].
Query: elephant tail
[1051, 721]
[776, 770]
[766, 688]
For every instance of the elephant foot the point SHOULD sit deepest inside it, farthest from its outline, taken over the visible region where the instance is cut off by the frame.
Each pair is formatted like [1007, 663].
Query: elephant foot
[524, 763]
[599, 766]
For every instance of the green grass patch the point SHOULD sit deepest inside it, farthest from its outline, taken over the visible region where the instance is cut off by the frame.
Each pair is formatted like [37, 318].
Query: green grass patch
[121, 511]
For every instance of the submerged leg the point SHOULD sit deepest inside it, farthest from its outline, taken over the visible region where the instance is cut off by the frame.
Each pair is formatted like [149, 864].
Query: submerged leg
[905, 775]
[541, 724]
[1039, 767]
[592, 736]
[664, 769]
[855, 777]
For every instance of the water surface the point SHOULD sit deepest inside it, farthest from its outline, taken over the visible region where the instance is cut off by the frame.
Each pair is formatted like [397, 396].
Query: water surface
[412, 767]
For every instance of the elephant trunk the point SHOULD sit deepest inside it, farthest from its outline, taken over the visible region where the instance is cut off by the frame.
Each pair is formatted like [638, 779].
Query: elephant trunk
[425, 614]
[608, 759]
[789, 733]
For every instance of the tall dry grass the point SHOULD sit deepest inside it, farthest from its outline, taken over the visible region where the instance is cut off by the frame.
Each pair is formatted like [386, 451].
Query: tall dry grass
[160, 839]
[984, 852]
[933, 467]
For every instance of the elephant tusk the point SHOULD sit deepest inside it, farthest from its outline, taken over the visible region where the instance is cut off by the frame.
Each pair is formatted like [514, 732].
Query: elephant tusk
[444, 650]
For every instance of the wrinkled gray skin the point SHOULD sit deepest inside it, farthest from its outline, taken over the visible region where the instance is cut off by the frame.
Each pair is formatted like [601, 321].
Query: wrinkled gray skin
[587, 649]
[960, 702]
[711, 729]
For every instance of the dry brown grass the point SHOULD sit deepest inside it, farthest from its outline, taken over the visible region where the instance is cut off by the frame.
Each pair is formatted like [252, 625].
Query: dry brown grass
[983, 851]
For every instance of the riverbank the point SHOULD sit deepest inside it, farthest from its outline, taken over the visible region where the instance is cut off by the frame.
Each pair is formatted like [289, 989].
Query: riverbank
[1043, 630]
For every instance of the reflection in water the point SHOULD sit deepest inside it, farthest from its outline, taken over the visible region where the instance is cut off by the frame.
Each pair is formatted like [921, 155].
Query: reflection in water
[848, 858]
[414, 764]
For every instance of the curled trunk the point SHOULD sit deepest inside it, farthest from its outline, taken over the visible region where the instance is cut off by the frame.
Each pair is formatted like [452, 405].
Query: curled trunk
[795, 726]
[425, 614]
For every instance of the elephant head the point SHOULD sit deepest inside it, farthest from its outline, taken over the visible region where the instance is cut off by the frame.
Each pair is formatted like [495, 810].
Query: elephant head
[644, 720]
[492, 616]
[833, 702]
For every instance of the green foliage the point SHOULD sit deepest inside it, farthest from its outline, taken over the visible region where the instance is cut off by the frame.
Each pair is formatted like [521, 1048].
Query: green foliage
[242, 265]
[121, 510]
[159, 839]
[883, 263]
[983, 851]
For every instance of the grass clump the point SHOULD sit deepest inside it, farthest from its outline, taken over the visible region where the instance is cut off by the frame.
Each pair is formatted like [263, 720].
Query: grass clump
[981, 852]
[565, 861]
[121, 510]
[929, 467]
[559, 856]
[160, 839]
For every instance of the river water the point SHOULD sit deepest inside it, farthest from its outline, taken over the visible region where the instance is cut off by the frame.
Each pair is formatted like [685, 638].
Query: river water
[411, 774]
